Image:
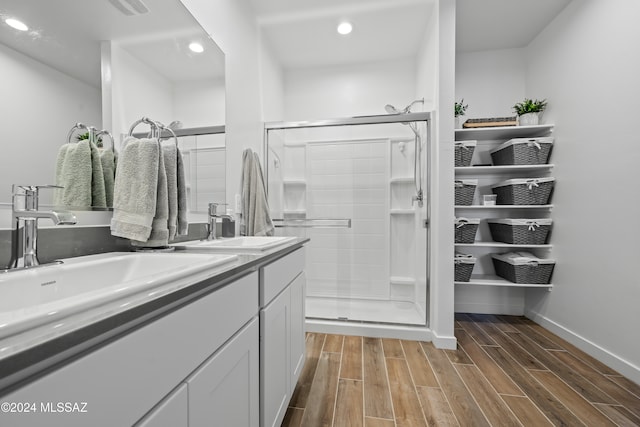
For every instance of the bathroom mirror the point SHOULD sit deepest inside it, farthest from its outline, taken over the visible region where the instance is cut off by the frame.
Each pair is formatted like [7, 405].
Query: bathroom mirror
[104, 63]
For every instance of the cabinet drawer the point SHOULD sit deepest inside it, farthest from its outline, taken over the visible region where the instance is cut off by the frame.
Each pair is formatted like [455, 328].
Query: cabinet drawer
[277, 275]
[123, 380]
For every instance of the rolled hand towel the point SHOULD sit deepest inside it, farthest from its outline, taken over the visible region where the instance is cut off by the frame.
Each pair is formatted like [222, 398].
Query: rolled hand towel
[135, 189]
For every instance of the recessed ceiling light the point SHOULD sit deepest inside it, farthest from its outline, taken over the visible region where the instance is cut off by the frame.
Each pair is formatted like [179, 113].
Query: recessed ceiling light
[345, 28]
[18, 25]
[196, 47]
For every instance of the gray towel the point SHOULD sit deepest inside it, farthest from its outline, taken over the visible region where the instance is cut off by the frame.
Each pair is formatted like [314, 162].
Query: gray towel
[170, 152]
[159, 236]
[98, 194]
[255, 208]
[79, 171]
[183, 224]
[109, 170]
[135, 189]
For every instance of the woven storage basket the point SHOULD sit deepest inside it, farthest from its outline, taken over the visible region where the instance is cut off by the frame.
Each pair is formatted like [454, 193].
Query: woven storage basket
[465, 229]
[464, 191]
[529, 191]
[463, 267]
[463, 151]
[523, 151]
[520, 231]
[523, 267]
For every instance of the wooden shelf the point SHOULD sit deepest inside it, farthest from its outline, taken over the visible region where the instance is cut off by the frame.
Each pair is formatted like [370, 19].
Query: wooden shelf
[505, 132]
[501, 245]
[504, 207]
[488, 280]
[485, 170]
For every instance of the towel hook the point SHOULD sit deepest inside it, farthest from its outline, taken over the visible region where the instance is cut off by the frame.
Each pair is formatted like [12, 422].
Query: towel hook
[167, 128]
[92, 133]
[106, 132]
[152, 124]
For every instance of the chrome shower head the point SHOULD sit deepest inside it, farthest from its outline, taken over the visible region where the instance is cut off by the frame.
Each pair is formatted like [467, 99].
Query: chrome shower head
[391, 109]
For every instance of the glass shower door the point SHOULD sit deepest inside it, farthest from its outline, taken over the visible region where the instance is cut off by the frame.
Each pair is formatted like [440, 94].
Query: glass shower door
[349, 189]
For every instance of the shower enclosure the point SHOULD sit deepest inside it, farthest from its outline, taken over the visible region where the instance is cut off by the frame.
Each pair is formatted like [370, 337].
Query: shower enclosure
[357, 187]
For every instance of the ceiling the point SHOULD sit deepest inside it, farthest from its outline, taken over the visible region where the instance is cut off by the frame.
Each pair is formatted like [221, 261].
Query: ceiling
[302, 33]
[66, 35]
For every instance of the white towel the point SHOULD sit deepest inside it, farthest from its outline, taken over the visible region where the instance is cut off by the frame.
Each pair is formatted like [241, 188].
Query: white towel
[79, 172]
[255, 208]
[136, 189]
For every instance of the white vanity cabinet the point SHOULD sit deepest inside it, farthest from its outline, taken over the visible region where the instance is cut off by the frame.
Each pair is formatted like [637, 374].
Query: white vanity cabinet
[282, 339]
[172, 411]
[210, 346]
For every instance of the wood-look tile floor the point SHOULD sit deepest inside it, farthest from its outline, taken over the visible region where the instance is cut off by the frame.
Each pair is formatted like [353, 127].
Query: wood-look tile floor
[507, 371]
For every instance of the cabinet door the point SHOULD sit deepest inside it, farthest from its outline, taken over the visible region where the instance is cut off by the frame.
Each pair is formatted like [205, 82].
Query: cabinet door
[225, 390]
[298, 292]
[172, 412]
[275, 359]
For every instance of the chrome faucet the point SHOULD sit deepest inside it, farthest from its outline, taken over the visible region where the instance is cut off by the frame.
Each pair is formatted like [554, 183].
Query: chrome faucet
[28, 212]
[213, 214]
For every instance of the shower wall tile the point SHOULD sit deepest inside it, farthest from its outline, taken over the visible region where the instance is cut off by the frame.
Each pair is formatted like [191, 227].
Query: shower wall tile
[349, 180]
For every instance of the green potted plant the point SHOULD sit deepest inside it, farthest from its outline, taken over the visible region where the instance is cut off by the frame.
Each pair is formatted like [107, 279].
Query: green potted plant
[85, 135]
[529, 111]
[460, 109]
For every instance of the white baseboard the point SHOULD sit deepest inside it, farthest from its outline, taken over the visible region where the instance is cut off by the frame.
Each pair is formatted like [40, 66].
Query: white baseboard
[415, 333]
[625, 368]
[506, 309]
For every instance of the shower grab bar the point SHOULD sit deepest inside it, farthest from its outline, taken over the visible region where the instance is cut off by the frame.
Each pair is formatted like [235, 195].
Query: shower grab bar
[312, 222]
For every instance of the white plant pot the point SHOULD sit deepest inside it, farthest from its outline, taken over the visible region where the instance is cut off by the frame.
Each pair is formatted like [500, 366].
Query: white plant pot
[459, 122]
[529, 119]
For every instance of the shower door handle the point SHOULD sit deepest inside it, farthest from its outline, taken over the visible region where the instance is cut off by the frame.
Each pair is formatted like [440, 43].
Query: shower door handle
[312, 222]
[425, 223]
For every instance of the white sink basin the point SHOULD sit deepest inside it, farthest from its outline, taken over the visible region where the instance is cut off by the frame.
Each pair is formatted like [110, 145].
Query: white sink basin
[32, 297]
[239, 244]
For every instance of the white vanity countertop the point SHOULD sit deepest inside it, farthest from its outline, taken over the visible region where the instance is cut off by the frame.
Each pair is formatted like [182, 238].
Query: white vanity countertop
[25, 354]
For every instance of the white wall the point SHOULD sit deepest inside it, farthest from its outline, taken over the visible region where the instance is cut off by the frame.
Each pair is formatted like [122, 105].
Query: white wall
[441, 295]
[232, 25]
[199, 103]
[490, 82]
[584, 63]
[137, 90]
[349, 90]
[38, 108]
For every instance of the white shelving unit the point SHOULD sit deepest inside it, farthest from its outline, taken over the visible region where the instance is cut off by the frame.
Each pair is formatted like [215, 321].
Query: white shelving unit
[487, 139]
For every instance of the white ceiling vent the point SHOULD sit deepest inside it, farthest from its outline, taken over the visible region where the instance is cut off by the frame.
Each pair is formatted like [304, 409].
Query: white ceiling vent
[130, 7]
